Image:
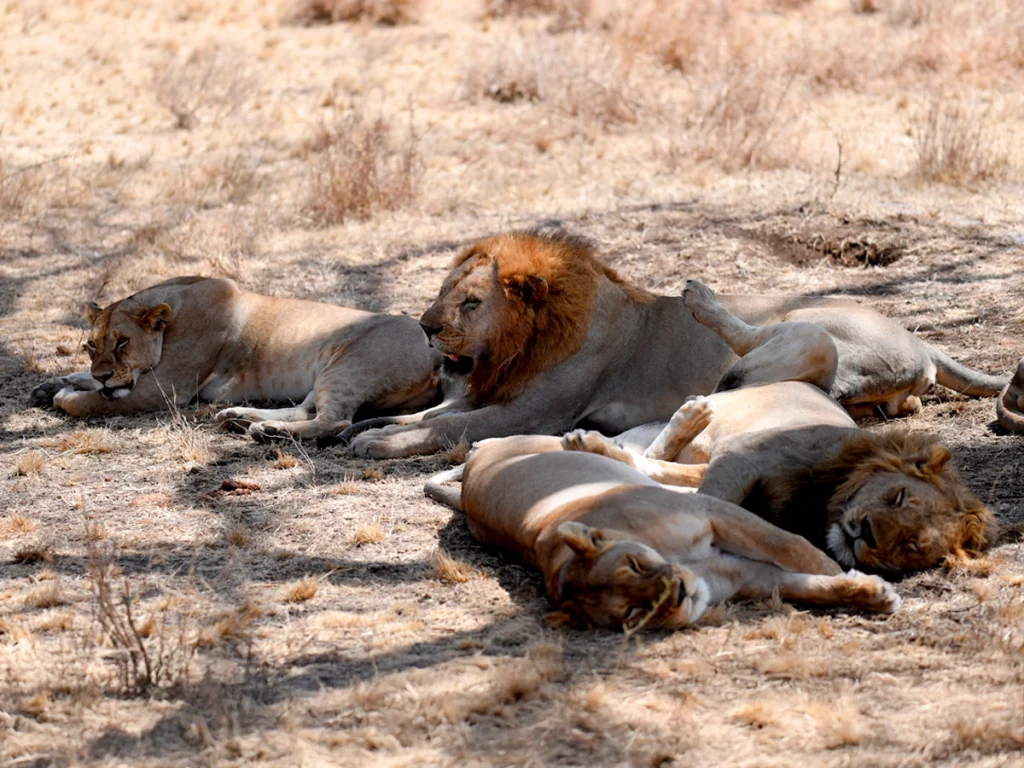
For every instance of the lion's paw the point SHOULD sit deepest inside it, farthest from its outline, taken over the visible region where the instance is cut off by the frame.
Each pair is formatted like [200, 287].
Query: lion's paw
[42, 396]
[268, 431]
[583, 440]
[701, 301]
[695, 414]
[873, 593]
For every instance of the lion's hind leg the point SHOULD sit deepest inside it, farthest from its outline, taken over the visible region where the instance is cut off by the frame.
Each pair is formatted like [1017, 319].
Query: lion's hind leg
[788, 351]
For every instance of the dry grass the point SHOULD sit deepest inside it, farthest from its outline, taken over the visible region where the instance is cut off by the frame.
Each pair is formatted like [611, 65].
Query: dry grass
[81, 441]
[30, 463]
[574, 78]
[952, 146]
[451, 571]
[205, 83]
[15, 525]
[388, 12]
[285, 460]
[689, 139]
[47, 595]
[301, 590]
[368, 534]
[358, 166]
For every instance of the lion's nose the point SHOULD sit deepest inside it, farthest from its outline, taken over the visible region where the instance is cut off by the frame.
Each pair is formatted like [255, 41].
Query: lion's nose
[430, 330]
[102, 377]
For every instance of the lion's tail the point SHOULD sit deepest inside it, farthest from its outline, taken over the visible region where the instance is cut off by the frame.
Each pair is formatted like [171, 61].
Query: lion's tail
[958, 377]
[451, 497]
[1009, 408]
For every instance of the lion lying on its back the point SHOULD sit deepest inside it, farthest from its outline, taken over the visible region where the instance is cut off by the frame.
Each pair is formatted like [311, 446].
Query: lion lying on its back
[886, 500]
[206, 337]
[618, 550]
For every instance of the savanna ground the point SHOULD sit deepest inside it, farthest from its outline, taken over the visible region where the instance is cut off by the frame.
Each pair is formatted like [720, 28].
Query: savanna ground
[293, 606]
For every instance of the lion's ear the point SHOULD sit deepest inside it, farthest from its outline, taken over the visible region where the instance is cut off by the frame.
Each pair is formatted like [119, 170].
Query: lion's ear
[582, 539]
[978, 530]
[530, 288]
[933, 460]
[156, 319]
[93, 311]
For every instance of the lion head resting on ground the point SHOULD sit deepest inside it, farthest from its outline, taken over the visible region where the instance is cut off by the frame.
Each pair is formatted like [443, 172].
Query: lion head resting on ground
[513, 306]
[902, 506]
[126, 341]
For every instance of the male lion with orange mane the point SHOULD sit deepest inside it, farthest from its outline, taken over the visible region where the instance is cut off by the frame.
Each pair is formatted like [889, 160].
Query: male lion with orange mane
[549, 338]
[885, 500]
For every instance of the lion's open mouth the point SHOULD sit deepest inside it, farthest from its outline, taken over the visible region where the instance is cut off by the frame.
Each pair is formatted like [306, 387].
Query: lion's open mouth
[457, 365]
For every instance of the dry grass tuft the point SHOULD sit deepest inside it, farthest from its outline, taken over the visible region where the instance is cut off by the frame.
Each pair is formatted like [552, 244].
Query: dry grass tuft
[952, 146]
[20, 188]
[996, 733]
[238, 536]
[368, 534]
[204, 84]
[374, 473]
[387, 12]
[81, 441]
[681, 35]
[188, 441]
[285, 460]
[36, 706]
[46, 595]
[58, 622]
[345, 488]
[452, 571]
[30, 463]
[301, 590]
[234, 626]
[756, 714]
[358, 167]
[15, 525]
[568, 14]
[31, 362]
[32, 554]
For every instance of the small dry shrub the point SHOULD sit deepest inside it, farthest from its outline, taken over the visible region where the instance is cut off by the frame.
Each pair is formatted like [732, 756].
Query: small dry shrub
[569, 14]
[362, 167]
[238, 536]
[46, 595]
[952, 146]
[451, 571]
[30, 463]
[207, 83]
[19, 187]
[387, 12]
[285, 460]
[32, 554]
[575, 78]
[301, 590]
[681, 35]
[150, 653]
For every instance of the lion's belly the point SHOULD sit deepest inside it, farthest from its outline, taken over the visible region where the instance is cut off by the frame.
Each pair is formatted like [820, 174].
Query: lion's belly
[619, 416]
[282, 384]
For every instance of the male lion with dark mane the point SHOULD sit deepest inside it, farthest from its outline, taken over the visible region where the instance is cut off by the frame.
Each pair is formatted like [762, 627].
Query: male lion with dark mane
[206, 337]
[887, 500]
[549, 338]
[618, 550]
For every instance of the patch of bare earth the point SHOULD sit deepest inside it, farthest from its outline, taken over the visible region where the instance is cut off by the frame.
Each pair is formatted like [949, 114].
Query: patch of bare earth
[172, 594]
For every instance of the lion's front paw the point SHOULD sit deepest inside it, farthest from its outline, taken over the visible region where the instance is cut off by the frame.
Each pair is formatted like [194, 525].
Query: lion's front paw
[694, 415]
[873, 593]
[268, 431]
[43, 395]
[382, 443]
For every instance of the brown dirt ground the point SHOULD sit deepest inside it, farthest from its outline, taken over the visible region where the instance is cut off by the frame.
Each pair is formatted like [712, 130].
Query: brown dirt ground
[398, 657]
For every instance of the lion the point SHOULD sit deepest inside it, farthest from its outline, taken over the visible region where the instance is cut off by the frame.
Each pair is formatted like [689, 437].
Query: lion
[885, 501]
[547, 338]
[206, 337]
[617, 550]
[1010, 405]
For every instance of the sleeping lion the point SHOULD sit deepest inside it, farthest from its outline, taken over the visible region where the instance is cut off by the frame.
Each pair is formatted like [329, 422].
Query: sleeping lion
[887, 500]
[206, 337]
[547, 338]
[618, 550]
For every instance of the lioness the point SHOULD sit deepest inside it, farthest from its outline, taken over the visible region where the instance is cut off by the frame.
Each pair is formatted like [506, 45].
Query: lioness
[549, 338]
[618, 550]
[206, 337]
[1010, 405]
[787, 451]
